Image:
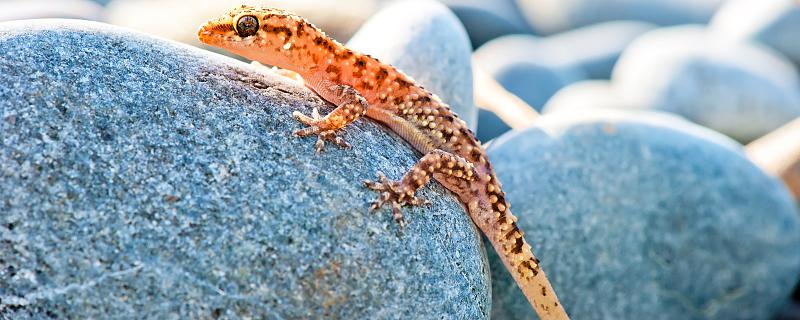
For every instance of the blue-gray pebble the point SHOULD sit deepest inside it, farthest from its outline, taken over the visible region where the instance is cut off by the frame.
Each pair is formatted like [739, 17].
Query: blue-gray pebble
[741, 89]
[39, 9]
[510, 61]
[552, 16]
[646, 217]
[426, 41]
[490, 126]
[588, 94]
[775, 23]
[486, 20]
[141, 178]
[594, 49]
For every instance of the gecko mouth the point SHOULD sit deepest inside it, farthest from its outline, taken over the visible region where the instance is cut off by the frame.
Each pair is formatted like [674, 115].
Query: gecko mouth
[214, 31]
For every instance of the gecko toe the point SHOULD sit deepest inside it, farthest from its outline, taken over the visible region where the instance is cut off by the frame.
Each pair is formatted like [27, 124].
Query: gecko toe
[397, 215]
[394, 193]
[306, 131]
[303, 118]
[322, 135]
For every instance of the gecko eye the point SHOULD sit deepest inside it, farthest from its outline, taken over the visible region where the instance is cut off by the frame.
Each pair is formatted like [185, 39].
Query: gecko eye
[247, 26]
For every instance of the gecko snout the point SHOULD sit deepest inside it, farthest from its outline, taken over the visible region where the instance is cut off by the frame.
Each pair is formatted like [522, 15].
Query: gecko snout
[211, 31]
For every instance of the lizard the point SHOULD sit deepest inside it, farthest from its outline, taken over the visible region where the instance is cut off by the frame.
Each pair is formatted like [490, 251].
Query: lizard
[362, 86]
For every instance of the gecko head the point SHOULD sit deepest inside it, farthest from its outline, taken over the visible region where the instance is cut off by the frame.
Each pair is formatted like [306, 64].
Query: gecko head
[246, 28]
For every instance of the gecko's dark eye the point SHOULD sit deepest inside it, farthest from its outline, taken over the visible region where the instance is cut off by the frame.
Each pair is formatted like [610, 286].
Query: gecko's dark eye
[247, 26]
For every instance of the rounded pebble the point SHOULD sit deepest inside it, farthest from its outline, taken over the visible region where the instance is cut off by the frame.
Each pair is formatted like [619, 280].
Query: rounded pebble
[532, 77]
[171, 18]
[645, 216]
[39, 9]
[163, 181]
[775, 23]
[486, 20]
[552, 16]
[740, 89]
[588, 94]
[490, 125]
[426, 41]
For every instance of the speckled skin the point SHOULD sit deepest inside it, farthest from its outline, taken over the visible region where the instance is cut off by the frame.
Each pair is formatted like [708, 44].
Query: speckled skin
[361, 85]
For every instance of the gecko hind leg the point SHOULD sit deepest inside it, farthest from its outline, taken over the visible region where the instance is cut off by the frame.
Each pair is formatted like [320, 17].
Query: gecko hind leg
[453, 169]
[396, 193]
[350, 106]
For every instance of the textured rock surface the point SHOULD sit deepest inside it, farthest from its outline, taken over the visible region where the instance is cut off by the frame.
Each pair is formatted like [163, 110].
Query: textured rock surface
[486, 20]
[551, 16]
[740, 89]
[775, 23]
[646, 217]
[142, 178]
[531, 77]
[426, 41]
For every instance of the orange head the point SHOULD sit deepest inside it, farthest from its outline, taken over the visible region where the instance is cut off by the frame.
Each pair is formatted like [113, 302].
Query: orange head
[267, 35]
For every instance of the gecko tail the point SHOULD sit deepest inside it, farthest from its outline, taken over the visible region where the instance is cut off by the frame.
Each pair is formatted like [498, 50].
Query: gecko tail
[507, 239]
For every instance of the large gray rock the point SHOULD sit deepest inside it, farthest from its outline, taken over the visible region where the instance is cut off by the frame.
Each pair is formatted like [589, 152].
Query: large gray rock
[427, 42]
[552, 16]
[740, 89]
[141, 178]
[775, 23]
[646, 217]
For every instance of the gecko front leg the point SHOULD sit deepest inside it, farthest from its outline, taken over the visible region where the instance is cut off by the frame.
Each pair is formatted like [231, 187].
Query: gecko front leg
[453, 171]
[350, 106]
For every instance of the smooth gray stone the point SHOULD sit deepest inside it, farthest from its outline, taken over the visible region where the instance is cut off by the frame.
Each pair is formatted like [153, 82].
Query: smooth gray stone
[490, 126]
[37, 9]
[532, 78]
[141, 178]
[741, 89]
[179, 19]
[775, 23]
[587, 94]
[594, 49]
[553, 16]
[645, 217]
[426, 41]
[486, 20]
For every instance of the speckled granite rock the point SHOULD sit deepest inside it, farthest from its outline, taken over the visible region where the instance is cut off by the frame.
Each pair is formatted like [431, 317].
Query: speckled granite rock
[426, 41]
[775, 23]
[740, 89]
[146, 179]
[552, 16]
[646, 217]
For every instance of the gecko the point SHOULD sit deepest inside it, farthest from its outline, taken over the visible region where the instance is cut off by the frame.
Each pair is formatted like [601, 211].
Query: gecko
[362, 86]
